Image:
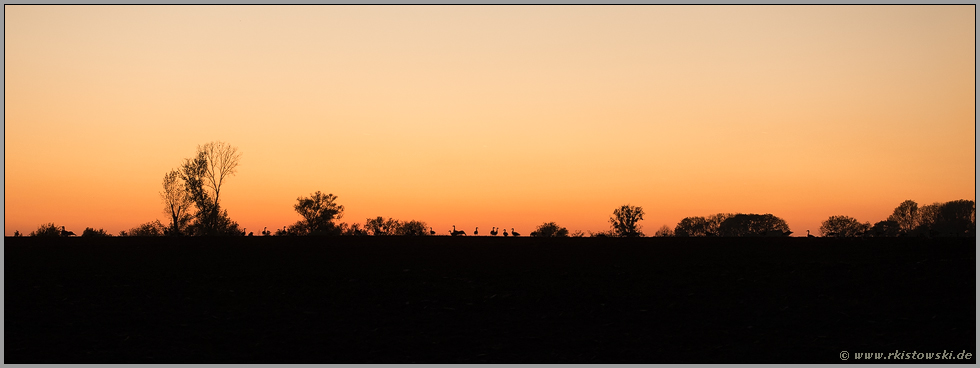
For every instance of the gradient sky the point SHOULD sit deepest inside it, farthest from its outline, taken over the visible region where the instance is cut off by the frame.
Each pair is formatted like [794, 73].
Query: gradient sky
[506, 116]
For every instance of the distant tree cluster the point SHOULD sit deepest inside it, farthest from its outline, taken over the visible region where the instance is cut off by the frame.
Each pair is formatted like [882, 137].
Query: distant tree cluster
[731, 225]
[191, 196]
[953, 218]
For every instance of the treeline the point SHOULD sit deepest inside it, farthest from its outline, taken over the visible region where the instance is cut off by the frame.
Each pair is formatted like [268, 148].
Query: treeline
[191, 198]
[953, 218]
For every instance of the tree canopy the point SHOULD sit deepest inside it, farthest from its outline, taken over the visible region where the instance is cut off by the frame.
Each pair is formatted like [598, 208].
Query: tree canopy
[625, 221]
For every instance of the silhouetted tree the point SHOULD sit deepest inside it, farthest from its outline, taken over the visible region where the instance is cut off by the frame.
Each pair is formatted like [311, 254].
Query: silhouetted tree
[319, 211]
[625, 220]
[701, 226]
[906, 215]
[203, 185]
[754, 225]
[91, 232]
[550, 230]
[412, 228]
[956, 218]
[884, 229]
[379, 226]
[692, 226]
[928, 216]
[17, 233]
[664, 232]
[177, 203]
[577, 234]
[843, 227]
[47, 230]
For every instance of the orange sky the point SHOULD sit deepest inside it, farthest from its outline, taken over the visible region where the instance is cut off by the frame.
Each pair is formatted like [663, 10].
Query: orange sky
[506, 116]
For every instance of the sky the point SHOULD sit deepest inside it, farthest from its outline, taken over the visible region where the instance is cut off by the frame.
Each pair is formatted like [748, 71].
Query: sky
[490, 116]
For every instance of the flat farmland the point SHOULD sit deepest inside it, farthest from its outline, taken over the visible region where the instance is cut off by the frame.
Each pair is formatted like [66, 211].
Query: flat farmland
[484, 299]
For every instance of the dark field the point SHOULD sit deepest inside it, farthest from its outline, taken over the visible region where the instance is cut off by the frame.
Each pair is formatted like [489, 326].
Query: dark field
[485, 300]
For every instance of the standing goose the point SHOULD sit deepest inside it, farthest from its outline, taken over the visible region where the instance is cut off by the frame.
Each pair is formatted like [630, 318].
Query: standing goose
[512, 231]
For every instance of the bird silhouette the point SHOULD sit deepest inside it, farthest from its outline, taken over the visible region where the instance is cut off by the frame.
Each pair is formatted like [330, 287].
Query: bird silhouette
[66, 233]
[808, 234]
[455, 232]
[505, 233]
[477, 231]
[493, 231]
[512, 231]
[432, 232]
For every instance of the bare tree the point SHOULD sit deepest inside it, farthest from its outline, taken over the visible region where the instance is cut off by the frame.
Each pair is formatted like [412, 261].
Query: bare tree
[222, 160]
[177, 202]
[203, 176]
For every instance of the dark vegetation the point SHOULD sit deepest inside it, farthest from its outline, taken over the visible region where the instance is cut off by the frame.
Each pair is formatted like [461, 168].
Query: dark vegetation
[191, 197]
[729, 287]
[484, 299]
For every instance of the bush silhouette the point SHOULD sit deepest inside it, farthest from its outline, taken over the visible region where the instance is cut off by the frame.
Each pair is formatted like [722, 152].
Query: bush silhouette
[380, 227]
[550, 230]
[664, 232]
[47, 230]
[90, 232]
[412, 228]
[843, 227]
[152, 228]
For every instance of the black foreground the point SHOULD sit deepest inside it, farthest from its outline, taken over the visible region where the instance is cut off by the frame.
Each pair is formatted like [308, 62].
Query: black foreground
[485, 300]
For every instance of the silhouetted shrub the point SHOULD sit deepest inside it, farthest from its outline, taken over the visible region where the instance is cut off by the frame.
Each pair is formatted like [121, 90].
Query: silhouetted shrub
[47, 230]
[577, 234]
[90, 232]
[352, 230]
[152, 228]
[602, 234]
[753, 225]
[380, 227]
[843, 227]
[550, 230]
[412, 228]
[664, 232]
